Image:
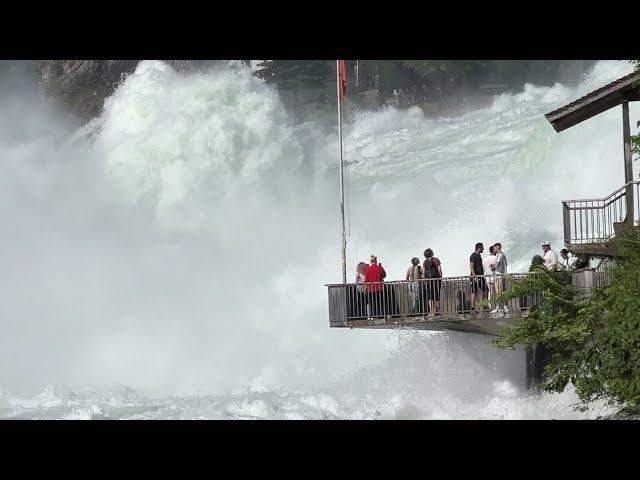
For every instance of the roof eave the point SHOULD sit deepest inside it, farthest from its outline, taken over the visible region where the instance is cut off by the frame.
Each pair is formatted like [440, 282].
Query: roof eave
[594, 103]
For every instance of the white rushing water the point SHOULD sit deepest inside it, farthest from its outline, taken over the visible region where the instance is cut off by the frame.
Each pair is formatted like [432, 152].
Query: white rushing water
[174, 265]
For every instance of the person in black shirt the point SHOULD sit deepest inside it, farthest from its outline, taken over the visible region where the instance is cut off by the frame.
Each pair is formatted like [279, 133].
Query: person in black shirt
[432, 269]
[478, 283]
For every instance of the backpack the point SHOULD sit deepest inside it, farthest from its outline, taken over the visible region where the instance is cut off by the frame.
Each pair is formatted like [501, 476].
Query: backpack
[430, 268]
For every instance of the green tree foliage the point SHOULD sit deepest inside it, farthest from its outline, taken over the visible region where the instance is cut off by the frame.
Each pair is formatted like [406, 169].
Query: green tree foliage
[424, 68]
[295, 74]
[594, 340]
[472, 72]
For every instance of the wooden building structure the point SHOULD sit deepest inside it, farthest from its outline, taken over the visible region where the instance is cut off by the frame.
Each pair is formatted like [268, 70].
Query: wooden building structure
[589, 224]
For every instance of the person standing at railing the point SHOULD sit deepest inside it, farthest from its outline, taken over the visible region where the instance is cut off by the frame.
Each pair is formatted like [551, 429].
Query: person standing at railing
[567, 262]
[527, 301]
[358, 299]
[413, 275]
[432, 271]
[360, 278]
[550, 257]
[374, 276]
[478, 284]
[500, 272]
[489, 267]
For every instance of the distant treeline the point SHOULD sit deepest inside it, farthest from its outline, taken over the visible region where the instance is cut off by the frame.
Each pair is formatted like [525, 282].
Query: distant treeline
[442, 76]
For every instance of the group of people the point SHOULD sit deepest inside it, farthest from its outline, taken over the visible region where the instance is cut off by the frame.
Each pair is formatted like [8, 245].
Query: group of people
[371, 296]
[487, 276]
[422, 292]
[551, 261]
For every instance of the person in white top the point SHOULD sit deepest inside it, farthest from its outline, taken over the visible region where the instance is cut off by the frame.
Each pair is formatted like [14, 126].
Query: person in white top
[357, 299]
[414, 273]
[360, 269]
[567, 262]
[500, 271]
[489, 267]
[550, 257]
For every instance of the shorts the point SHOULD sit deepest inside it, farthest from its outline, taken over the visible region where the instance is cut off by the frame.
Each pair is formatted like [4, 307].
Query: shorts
[478, 283]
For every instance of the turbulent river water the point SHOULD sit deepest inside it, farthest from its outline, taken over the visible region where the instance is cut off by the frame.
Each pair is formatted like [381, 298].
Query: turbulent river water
[169, 259]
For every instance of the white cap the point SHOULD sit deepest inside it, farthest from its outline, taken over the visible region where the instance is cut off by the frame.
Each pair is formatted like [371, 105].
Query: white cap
[545, 243]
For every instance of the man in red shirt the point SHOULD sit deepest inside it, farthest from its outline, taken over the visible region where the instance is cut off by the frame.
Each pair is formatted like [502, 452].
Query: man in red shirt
[375, 273]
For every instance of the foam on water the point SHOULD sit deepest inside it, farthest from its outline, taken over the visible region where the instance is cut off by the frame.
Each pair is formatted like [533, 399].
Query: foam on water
[183, 250]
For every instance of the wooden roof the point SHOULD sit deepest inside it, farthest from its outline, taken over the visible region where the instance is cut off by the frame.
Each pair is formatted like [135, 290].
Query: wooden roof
[624, 89]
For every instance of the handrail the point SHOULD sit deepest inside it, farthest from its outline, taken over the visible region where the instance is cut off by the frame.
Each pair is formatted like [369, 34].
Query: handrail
[445, 298]
[624, 187]
[459, 277]
[448, 296]
[591, 221]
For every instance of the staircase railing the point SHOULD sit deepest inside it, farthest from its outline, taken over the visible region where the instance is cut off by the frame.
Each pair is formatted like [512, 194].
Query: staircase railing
[597, 220]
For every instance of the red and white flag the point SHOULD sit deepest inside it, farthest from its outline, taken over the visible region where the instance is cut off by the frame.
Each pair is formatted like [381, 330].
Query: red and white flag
[343, 79]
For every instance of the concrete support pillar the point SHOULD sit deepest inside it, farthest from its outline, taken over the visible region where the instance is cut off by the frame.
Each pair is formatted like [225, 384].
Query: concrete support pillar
[536, 359]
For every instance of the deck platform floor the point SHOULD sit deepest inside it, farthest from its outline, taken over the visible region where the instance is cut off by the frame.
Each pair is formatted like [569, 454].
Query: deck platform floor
[481, 322]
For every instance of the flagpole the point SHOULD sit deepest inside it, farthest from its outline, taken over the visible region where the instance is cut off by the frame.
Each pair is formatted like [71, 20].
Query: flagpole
[344, 236]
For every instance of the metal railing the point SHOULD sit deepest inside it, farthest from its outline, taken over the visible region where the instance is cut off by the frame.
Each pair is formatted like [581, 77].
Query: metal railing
[598, 220]
[586, 279]
[437, 297]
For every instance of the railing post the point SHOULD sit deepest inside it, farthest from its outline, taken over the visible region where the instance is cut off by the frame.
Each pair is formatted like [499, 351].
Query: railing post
[337, 306]
[566, 220]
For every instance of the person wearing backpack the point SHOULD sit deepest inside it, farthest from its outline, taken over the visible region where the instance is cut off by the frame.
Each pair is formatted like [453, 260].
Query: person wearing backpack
[432, 269]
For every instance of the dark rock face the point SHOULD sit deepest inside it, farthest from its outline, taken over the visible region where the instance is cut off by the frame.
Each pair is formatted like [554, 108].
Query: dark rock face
[83, 85]
[621, 415]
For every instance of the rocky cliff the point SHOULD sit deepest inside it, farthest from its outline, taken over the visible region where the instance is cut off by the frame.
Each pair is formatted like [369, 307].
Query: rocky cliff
[83, 85]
